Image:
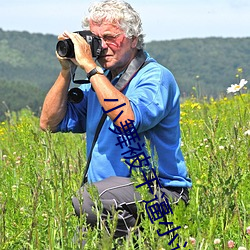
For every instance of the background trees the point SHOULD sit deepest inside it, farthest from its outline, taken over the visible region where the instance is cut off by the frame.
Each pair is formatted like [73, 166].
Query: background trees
[202, 67]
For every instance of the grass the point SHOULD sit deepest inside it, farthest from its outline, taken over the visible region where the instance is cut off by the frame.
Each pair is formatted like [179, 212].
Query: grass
[40, 172]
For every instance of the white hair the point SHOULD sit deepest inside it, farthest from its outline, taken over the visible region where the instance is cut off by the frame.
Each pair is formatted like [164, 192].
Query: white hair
[120, 13]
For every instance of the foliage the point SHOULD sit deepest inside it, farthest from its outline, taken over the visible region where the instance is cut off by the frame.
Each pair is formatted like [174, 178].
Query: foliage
[14, 95]
[40, 172]
[28, 68]
[28, 58]
[204, 64]
[208, 62]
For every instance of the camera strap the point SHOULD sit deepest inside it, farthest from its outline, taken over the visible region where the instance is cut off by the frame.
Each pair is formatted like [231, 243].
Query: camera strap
[136, 64]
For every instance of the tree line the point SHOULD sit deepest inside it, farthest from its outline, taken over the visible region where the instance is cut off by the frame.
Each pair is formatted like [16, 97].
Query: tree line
[202, 67]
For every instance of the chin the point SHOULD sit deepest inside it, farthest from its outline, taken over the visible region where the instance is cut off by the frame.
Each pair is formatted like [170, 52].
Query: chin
[105, 64]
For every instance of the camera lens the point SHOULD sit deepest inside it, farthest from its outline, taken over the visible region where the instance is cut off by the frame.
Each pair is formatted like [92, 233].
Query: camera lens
[65, 48]
[75, 95]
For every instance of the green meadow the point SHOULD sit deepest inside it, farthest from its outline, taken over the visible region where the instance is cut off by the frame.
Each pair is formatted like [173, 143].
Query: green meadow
[40, 172]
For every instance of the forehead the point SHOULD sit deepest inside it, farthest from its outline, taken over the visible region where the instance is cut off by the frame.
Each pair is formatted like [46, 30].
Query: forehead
[104, 27]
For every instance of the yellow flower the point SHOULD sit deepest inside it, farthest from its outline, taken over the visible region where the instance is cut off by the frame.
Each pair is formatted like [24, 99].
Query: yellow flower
[240, 70]
[195, 105]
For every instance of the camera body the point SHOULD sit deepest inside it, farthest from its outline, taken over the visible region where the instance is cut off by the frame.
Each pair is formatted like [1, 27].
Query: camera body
[65, 48]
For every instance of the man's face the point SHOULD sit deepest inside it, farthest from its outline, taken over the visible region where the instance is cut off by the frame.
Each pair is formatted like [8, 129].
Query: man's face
[118, 50]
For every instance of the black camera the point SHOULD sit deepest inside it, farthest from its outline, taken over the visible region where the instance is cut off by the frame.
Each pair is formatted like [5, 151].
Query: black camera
[65, 48]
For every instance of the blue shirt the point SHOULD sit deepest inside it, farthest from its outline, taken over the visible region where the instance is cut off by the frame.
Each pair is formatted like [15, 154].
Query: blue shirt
[154, 97]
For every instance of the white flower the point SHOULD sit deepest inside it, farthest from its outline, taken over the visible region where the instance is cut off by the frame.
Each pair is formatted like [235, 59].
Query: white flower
[246, 133]
[237, 87]
[242, 248]
[22, 210]
[192, 240]
[216, 241]
[221, 147]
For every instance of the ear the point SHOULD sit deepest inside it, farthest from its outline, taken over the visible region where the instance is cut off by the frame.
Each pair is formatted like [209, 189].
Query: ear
[134, 42]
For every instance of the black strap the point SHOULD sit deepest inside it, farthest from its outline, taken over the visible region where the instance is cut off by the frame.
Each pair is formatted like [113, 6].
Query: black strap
[97, 132]
[136, 64]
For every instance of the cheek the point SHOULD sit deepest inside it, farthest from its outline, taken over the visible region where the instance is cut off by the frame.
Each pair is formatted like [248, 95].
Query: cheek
[107, 62]
[119, 43]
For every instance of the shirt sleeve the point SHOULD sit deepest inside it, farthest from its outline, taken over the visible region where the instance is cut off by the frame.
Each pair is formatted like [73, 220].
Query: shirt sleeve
[154, 96]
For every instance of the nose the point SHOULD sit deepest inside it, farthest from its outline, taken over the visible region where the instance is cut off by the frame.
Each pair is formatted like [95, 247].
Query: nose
[104, 44]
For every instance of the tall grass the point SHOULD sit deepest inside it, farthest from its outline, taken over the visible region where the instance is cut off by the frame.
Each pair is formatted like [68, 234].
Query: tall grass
[40, 172]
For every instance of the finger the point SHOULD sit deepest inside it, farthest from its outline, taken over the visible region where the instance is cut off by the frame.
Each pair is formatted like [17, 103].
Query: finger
[69, 34]
[69, 60]
[59, 57]
[62, 36]
[75, 37]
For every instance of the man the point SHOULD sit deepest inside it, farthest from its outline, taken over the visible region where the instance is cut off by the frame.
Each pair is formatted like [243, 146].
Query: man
[134, 90]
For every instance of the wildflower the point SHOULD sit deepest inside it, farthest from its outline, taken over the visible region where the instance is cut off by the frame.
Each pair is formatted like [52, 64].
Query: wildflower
[45, 216]
[22, 210]
[237, 87]
[14, 188]
[221, 147]
[198, 182]
[192, 240]
[230, 244]
[242, 248]
[195, 106]
[240, 70]
[247, 133]
[248, 230]
[216, 241]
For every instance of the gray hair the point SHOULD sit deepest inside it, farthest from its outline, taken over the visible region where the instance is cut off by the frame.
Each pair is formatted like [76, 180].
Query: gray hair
[120, 13]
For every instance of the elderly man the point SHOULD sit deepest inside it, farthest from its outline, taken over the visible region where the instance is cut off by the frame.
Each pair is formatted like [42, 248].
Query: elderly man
[139, 96]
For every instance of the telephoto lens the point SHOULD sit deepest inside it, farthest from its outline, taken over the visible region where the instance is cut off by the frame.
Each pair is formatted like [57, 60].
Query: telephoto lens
[75, 95]
[65, 48]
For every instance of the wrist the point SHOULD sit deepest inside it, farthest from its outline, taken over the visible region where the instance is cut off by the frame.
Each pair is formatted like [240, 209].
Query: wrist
[97, 70]
[89, 67]
[65, 73]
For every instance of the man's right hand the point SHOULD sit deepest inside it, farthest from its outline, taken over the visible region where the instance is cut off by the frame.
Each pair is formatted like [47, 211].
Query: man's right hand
[66, 63]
